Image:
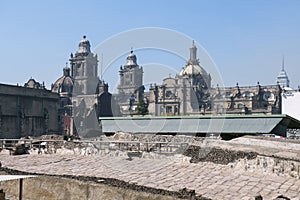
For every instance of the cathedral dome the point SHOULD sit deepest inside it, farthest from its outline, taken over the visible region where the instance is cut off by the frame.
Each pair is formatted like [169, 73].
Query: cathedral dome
[193, 66]
[192, 69]
[64, 83]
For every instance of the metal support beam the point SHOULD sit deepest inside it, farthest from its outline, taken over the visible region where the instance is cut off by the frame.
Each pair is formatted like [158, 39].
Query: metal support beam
[21, 189]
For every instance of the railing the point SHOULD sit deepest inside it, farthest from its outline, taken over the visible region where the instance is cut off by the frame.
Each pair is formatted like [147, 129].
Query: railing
[160, 147]
[10, 143]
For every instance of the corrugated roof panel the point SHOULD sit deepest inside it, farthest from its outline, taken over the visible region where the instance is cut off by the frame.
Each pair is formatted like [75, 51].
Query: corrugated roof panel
[191, 125]
[14, 177]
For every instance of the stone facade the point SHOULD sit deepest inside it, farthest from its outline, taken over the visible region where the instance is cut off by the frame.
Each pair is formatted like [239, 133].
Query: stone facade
[190, 92]
[247, 100]
[27, 111]
[84, 69]
[131, 75]
[79, 94]
[83, 96]
[130, 89]
[178, 97]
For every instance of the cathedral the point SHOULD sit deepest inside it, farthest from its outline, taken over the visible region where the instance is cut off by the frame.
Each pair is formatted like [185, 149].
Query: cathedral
[190, 93]
[83, 96]
[78, 98]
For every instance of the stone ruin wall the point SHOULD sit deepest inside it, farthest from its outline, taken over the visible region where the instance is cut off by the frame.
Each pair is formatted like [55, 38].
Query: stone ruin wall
[47, 187]
[265, 164]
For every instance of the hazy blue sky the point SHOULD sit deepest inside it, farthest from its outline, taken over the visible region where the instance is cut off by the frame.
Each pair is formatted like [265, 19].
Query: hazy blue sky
[246, 39]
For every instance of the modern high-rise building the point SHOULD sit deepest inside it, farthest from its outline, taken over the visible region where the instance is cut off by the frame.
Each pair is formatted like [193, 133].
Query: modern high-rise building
[282, 78]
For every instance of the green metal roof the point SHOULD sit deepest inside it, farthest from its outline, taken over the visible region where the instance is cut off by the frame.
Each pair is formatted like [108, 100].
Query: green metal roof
[237, 124]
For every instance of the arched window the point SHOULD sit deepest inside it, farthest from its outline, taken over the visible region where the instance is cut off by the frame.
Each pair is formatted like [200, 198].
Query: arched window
[168, 94]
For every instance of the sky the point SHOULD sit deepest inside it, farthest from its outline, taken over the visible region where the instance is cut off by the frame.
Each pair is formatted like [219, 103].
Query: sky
[245, 39]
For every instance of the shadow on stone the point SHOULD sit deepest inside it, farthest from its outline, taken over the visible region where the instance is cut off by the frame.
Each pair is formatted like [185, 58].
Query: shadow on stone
[132, 154]
[281, 197]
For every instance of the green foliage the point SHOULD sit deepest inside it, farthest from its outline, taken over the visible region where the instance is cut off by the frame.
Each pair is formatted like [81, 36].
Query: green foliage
[142, 107]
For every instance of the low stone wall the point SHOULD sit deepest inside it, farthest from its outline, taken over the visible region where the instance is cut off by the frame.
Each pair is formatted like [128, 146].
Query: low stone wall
[45, 188]
[53, 187]
[91, 151]
[200, 152]
[269, 165]
[245, 161]
[114, 148]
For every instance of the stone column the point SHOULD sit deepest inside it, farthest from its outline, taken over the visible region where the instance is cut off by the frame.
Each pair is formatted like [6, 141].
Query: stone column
[46, 121]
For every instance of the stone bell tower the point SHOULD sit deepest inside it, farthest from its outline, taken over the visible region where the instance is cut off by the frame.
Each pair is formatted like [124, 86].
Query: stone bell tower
[84, 69]
[131, 76]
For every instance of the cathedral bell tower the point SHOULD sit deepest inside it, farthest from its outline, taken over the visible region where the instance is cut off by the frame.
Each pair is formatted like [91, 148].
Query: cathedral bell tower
[84, 69]
[131, 76]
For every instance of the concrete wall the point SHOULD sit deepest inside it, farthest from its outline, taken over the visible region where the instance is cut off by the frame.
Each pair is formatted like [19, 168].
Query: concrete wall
[290, 103]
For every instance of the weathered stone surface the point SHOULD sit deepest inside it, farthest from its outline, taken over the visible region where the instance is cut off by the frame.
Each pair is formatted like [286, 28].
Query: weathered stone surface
[48, 188]
[216, 155]
[27, 111]
[244, 177]
[209, 180]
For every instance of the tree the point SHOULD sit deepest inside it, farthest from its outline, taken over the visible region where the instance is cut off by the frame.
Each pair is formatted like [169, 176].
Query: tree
[142, 107]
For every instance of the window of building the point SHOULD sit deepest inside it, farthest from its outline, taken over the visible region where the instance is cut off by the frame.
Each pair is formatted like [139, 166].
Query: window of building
[169, 109]
[227, 94]
[247, 94]
[240, 106]
[168, 94]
